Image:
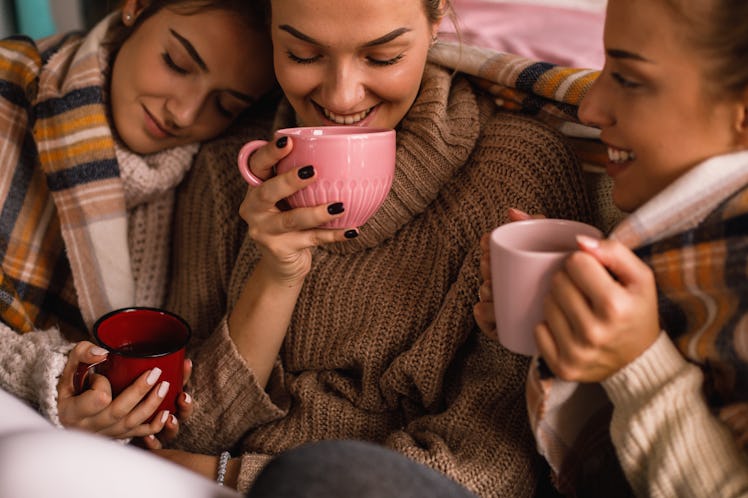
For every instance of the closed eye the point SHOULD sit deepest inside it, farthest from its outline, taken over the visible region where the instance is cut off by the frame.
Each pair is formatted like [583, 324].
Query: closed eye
[625, 83]
[173, 65]
[302, 60]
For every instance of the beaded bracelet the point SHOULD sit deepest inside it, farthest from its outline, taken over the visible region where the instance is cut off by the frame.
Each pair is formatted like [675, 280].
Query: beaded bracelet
[223, 461]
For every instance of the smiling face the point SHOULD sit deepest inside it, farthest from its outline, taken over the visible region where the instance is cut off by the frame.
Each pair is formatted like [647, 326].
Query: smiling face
[652, 102]
[353, 62]
[181, 79]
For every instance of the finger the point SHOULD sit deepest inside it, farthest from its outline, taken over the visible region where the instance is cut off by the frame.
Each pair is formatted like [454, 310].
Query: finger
[170, 430]
[185, 406]
[733, 410]
[134, 422]
[569, 308]
[137, 402]
[485, 292]
[150, 442]
[484, 318]
[625, 266]
[518, 215]
[187, 371]
[263, 160]
[547, 347]
[275, 189]
[485, 256]
[83, 352]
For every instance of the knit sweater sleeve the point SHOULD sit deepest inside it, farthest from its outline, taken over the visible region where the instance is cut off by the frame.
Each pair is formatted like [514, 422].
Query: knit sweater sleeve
[31, 365]
[667, 440]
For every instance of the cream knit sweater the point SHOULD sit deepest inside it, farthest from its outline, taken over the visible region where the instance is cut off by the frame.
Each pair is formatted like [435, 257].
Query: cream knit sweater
[382, 346]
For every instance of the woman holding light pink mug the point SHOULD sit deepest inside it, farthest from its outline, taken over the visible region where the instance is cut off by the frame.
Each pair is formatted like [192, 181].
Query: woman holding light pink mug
[365, 331]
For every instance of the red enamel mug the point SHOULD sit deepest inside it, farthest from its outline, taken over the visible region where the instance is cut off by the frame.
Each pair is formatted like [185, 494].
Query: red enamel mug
[139, 339]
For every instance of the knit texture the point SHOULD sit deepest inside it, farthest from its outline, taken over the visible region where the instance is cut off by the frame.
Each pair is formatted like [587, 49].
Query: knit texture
[382, 345]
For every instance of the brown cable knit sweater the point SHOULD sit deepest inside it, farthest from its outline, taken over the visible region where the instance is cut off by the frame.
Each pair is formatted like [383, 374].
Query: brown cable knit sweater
[382, 346]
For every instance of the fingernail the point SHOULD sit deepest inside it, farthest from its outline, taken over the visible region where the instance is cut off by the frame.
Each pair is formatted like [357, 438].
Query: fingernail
[306, 172]
[587, 242]
[174, 420]
[187, 398]
[281, 142]
[519, 213]
[335, 208]
[350, 234]
[164, 416]
[153, 376]
[162, 389]
[97, 351]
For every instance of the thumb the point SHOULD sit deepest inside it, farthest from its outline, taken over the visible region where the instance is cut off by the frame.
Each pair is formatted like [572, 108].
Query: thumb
[619, 260]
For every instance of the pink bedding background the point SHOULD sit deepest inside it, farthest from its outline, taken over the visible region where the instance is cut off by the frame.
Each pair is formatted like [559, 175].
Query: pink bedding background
[562, 35]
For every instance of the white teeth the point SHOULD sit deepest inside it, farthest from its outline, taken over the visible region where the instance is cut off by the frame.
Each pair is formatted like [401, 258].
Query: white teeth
[347, 119]
[619, 156]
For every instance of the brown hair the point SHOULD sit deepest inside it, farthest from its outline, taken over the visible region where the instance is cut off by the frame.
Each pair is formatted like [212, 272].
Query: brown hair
[251, 12]
[719, 30]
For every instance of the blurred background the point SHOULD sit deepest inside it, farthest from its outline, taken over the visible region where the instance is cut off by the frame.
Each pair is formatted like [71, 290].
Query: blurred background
[39, 18]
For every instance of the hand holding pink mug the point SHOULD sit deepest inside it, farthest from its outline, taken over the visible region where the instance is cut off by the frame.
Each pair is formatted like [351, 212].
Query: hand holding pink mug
[353, 165]
[524, 256]
[139, 339]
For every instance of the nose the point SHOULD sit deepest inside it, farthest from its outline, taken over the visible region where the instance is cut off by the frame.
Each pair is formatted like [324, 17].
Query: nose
[344, 87]
[183, 110]
[594, 109]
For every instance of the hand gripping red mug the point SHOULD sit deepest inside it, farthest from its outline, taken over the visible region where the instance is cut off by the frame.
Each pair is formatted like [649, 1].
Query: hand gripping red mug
[354, 165]
[139, 339]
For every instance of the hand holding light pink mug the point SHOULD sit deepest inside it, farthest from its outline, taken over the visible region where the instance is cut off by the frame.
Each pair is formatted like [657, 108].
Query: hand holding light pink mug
[139, 339]
[524, 256]
[354, 165]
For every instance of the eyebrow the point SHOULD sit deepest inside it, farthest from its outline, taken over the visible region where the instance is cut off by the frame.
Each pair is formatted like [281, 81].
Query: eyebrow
[624, 54]
[378, 41]
[200, 62]
[190, 49]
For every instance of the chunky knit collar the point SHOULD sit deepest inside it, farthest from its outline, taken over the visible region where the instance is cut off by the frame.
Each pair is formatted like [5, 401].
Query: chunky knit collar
[433, 142]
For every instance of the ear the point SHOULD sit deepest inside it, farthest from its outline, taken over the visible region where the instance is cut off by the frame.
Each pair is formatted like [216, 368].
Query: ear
[741, 119]
[131, 10]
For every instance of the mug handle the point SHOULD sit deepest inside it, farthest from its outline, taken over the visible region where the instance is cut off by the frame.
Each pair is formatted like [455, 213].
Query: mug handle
[80, 377]
[243, 160]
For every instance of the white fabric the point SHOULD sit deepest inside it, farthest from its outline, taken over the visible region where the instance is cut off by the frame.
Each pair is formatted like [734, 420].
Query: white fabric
[38, 461]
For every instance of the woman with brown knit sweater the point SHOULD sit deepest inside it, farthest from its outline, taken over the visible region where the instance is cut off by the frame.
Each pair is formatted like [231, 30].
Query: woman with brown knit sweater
[365, 333]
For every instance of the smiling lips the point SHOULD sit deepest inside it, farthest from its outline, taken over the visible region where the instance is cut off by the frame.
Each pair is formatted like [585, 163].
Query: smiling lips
[347, 119]
[154, 128]
[620, 156]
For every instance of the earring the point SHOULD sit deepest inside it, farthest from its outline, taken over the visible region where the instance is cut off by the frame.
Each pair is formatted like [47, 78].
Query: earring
[433, 40]
[128, 18]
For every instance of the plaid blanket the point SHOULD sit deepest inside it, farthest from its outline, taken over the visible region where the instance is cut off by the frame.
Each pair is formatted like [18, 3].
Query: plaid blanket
[63, 225]
[549, 92]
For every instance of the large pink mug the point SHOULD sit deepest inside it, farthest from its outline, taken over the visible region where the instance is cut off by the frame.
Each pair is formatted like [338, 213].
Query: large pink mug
[139, 339]
[354, 165]
[524, 257]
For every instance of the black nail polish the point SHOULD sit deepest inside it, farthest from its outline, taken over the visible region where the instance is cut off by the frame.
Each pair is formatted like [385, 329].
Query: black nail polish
[306, 172]
[350, 234]
[335, 208]
[281, 142]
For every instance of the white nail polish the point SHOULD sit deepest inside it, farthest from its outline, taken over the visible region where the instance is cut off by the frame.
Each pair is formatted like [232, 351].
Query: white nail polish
[163, 389]
[153, 376]
[164, 416]
[187, 398]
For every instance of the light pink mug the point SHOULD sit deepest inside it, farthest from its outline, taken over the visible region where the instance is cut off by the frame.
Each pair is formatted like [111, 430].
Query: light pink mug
[524, 257]
[354, 165]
